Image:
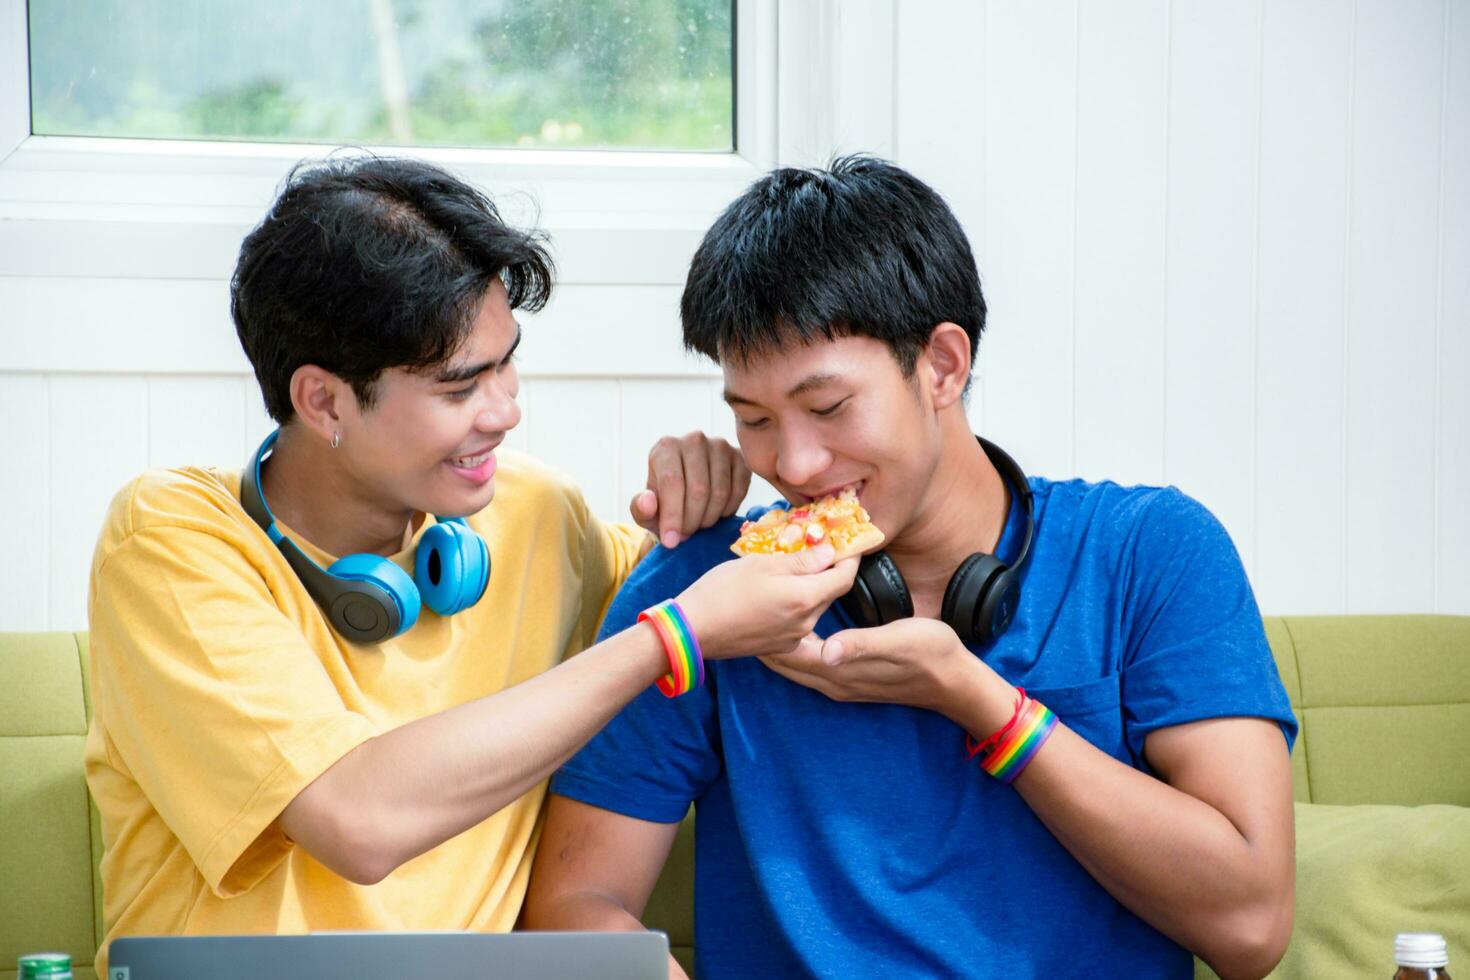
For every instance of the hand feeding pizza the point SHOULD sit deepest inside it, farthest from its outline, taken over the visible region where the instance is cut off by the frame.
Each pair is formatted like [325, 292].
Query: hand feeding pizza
[840, 520]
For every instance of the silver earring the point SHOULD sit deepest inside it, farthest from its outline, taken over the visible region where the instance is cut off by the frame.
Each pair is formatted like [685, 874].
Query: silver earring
[336, 439]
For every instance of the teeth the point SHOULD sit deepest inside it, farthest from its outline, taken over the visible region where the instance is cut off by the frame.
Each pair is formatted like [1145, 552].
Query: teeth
[470, 462]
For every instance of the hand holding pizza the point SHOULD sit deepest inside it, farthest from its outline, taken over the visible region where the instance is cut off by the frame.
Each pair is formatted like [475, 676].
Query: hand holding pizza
[764, 604]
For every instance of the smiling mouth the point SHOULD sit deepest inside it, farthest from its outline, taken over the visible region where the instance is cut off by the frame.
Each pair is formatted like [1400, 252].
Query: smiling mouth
[471, 462]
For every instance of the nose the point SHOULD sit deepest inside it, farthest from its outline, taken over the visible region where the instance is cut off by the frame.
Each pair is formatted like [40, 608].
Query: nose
[500, 413]
[800, 457]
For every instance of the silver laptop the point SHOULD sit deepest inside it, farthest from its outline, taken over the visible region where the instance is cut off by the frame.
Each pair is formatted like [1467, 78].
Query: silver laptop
[394, 956]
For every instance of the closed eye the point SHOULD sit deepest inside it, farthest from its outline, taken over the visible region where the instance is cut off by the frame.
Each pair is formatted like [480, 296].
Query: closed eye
[830, 409]
[755, 424]
[460, 394]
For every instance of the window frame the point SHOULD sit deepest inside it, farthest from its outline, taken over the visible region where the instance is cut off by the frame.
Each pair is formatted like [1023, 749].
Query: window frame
[810, 79]
[71, 188]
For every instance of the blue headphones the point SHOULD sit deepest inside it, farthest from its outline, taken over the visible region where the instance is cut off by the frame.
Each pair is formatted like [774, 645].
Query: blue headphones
[366, 596]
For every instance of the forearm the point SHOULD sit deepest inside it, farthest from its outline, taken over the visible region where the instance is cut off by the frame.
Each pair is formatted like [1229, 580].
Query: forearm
[587, 911]
[580, 911]
[1174, 860]
[409, 790]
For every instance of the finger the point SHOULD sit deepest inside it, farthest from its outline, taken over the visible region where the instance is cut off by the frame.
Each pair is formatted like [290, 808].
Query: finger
[694, 450]
[739, 483]
[720, 485]
[666, 480]
[806, 655]
[644, 508]
[811, 560]
[828, 584]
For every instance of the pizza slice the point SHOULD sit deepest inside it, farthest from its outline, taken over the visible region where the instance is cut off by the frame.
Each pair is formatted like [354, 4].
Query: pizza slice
[840, 520]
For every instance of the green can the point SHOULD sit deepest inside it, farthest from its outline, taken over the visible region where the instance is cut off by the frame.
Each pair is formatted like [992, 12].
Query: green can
[45, 966]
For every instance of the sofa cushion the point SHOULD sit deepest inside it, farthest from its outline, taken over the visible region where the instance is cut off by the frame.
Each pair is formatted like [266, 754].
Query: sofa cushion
[1367, 872]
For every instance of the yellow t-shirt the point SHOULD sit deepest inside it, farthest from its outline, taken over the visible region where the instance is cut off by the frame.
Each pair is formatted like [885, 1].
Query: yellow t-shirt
[220, 691]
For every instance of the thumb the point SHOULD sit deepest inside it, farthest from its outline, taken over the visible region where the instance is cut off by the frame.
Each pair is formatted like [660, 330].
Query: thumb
[841, 647]
[813, 559]
[644, 507]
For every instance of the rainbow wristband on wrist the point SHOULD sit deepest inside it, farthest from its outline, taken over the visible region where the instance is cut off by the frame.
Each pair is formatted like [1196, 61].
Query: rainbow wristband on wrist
[686, 662]
[1033, 726]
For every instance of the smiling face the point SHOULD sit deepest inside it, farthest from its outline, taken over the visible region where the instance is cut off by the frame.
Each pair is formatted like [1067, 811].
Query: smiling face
[814, 418]
[427, 441]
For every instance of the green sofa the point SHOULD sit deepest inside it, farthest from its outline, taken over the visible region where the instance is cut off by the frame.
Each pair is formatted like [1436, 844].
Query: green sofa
[1382, 772]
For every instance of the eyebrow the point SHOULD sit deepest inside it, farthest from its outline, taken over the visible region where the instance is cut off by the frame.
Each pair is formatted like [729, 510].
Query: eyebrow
[452, 374]
[809, 383]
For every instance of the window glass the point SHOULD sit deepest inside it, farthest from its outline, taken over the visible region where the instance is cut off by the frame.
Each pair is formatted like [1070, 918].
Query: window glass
[635, 74]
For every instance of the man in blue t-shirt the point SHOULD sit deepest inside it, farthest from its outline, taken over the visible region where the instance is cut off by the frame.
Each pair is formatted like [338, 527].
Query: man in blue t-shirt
[845, 826]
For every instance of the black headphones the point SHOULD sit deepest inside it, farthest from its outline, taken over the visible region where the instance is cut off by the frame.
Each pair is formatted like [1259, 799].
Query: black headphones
[983, 593]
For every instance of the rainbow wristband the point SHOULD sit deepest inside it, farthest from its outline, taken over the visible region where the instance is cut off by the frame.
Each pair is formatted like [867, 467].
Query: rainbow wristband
[686, 662]
[1021, 743]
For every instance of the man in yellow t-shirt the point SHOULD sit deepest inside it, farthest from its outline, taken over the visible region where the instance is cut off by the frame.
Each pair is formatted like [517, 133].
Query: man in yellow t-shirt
[258, 772]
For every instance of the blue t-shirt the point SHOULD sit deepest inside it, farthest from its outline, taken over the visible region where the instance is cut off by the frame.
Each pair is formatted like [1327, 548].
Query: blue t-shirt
[857, 840]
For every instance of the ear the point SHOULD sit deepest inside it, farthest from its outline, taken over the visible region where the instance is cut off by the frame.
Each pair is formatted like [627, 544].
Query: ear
[320, 399]
[948, 353]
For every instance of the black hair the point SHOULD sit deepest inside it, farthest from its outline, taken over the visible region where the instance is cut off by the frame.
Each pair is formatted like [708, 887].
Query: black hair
[860, 248]
[365, 263]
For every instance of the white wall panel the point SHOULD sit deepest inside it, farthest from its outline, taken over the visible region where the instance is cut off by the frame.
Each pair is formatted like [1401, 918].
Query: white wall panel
[161, 326]
[129, 326]
[1224, 246]
[1452, 470]
[1393, 268]
[652, 409]
[1209, 352]
[577, 431]
[1122, 114]
[1025, 366]
[194, 421]
[98, 442]
[25, 500]
[607, 330]
[936, 43]
[135, 243]
[1301, 404]
[865, 72]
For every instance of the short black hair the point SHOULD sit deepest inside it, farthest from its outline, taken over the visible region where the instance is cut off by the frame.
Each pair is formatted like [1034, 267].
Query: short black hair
[366, 263]
[860, 248]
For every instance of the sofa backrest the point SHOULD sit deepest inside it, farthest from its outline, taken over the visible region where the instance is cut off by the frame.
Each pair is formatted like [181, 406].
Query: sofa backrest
[1384, 707]
[50, 843]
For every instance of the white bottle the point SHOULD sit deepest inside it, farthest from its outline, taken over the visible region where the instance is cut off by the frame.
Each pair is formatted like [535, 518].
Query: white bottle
[1420, 956]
